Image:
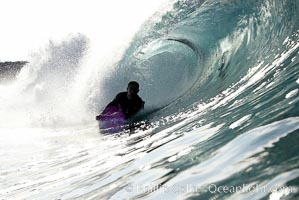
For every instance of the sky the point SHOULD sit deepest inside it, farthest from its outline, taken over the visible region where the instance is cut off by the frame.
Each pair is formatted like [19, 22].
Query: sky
[28, 25]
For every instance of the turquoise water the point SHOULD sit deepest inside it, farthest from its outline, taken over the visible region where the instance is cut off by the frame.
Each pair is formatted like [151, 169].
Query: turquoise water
[224, 77]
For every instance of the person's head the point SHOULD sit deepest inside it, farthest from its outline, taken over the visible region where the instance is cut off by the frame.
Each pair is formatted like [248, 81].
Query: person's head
[133, 89]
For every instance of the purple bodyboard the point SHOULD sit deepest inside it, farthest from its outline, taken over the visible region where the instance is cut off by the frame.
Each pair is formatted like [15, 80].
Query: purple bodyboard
[111, 120]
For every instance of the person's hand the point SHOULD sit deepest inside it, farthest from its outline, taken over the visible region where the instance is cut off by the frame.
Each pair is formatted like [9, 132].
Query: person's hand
[98, 117]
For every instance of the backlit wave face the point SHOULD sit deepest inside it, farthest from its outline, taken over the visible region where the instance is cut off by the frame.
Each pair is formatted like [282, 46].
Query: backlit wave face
[197, 53]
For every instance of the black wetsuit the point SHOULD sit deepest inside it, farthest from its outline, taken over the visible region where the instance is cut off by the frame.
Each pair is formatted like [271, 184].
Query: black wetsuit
[129, 106]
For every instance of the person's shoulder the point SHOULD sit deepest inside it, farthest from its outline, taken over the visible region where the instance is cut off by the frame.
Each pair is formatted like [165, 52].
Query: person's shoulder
[121, 95]
[140, 102]
[139, 99]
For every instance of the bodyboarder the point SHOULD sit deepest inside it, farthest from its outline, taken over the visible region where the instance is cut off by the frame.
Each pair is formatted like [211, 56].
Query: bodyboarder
[128, 103]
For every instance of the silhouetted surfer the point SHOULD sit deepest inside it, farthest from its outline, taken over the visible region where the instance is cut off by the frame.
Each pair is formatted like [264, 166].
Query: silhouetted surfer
[128, 103]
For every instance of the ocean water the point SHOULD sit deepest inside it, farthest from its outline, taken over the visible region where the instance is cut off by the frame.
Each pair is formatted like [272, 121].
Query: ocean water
[220, 80]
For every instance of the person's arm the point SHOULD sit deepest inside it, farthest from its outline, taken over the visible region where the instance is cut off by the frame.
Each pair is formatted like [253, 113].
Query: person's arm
[114, 102]
[137, 108]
